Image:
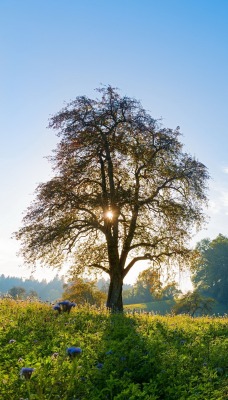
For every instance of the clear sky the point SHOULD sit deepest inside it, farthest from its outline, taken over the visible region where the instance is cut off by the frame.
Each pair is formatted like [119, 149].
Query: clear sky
[172, 55]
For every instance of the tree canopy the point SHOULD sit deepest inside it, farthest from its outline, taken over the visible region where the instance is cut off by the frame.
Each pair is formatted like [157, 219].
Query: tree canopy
[193, 303]
[210, 270]
[150, 287]
[82, 292]
[17, 292]
[123, 191]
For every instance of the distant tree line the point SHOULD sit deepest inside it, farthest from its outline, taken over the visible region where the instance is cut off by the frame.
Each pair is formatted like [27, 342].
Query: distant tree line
[22, 288]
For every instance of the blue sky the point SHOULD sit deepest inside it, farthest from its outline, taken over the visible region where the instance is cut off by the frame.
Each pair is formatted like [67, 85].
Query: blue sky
[172, 55]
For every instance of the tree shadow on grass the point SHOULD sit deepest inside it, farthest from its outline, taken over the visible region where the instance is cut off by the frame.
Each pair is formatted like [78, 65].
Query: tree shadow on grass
[157, 358]
[126, 365]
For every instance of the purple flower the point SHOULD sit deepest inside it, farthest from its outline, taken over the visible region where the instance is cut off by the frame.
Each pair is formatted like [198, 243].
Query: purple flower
[26, 372]
[66, 305]
[73, 351]
[100, 365]
[57, 308]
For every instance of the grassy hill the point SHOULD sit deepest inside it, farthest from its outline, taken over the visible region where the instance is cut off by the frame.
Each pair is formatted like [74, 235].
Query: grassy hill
[118, 357]
[157, 307]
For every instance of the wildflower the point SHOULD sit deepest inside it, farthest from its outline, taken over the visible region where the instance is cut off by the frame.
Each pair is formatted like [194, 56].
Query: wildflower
[100, 365]
[12, 341]
[66, 305]
[26, 372]
[57, 308]
[73, 351]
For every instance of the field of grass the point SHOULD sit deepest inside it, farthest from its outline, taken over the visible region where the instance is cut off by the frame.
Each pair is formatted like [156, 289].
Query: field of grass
[122, 356]
[157, 307]
[164, 307]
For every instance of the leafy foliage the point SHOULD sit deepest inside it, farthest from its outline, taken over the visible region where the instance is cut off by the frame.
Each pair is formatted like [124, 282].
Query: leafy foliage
[210, 269]
[119, 356]
[82, 292]
[123, 191]
[192, 303]
[17, 292]
[149, 287]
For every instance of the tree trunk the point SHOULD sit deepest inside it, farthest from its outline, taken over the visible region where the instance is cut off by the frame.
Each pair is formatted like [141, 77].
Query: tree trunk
[115, 301]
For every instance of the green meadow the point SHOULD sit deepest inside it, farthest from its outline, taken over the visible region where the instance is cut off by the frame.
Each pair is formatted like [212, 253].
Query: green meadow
[123, 356]
[163, 307]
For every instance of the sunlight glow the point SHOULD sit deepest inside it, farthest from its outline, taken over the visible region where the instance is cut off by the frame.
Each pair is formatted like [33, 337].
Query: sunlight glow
[109, 214]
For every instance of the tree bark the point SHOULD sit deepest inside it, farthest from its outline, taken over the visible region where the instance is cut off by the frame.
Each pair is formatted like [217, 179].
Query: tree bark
[115, 300]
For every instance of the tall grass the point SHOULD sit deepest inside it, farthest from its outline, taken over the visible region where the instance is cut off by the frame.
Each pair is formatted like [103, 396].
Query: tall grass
[123, 356]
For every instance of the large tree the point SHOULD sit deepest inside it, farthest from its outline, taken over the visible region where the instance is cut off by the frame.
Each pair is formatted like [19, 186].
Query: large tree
[210, 269]
[123, 191]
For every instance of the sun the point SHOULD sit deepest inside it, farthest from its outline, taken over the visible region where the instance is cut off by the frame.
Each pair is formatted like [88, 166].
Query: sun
[109, 214]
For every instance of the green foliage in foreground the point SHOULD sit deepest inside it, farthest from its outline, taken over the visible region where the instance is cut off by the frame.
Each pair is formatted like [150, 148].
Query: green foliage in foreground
[124, 357]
